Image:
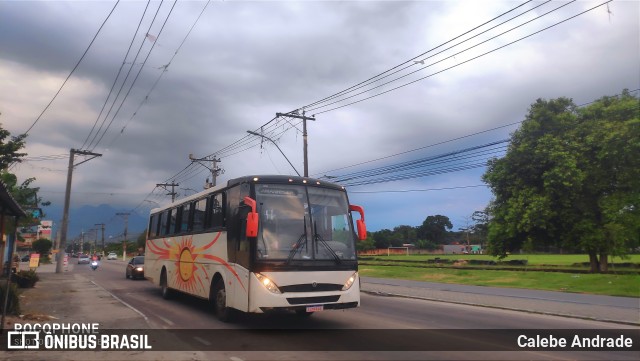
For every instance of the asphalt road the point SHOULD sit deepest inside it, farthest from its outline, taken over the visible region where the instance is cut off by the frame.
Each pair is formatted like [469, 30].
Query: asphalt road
[400, 316]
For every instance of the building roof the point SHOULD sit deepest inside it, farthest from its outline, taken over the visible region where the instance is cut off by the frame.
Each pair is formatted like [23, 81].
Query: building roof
[8, 205]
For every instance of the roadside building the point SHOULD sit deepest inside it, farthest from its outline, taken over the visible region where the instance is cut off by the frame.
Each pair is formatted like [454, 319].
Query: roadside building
[462, 249]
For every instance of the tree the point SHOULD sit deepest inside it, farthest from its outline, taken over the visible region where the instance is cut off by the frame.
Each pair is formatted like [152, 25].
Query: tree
[570, 179]
[9, 148]
[481, 225]
[434, 228]
[42, 246]
[141, 241]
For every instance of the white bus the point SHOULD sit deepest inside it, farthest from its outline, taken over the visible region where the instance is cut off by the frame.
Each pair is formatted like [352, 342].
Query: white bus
[259, 244]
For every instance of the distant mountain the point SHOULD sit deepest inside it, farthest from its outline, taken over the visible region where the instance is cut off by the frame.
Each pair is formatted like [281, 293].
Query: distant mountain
[85, 218]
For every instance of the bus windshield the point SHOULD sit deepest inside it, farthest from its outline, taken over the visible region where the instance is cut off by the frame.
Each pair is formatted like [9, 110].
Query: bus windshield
[303, 223]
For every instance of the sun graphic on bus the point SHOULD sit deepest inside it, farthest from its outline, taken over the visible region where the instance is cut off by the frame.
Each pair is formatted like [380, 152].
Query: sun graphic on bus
[186, 264]
[189, 261]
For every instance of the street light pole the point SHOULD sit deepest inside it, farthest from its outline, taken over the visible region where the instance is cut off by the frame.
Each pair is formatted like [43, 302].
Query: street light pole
[274, 143]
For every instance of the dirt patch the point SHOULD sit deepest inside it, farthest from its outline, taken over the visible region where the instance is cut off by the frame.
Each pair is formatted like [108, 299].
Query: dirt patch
[10, 320]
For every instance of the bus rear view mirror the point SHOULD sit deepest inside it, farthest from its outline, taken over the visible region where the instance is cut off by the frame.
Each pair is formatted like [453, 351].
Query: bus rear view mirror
[362, 230]
[252, 218]
[360, 224]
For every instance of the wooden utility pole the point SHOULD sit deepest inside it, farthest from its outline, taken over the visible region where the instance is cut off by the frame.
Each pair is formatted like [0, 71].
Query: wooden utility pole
[101, 227]
[124, 241]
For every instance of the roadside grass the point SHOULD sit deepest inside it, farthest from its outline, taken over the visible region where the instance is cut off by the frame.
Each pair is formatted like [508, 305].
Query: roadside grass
[532, 259]
[602, 284]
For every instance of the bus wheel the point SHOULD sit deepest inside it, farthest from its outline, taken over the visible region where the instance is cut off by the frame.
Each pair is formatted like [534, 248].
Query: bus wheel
[219, 300]
[166, 291]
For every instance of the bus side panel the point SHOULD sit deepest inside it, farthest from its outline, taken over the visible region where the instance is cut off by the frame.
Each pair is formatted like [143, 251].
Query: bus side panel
[192, 262]
[238, 298]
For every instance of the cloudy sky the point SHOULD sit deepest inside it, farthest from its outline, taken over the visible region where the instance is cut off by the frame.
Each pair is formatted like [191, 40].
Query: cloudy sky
[455, 76]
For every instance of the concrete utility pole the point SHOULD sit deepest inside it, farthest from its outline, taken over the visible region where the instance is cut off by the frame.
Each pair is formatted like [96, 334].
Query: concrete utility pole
[67, 200]
[304, 136]
[124, 241]
[214, 169]
[102, 227]
[173, 189]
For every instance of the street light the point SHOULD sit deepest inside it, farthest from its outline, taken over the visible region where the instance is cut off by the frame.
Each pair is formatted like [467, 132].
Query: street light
[274, 143]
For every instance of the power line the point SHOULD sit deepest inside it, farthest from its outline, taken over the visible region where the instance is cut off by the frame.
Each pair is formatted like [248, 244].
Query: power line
[418, 190]
[137, 75]
[448, 68]
[115, 81]
[380, 76]
[164, 70]
[73, 70]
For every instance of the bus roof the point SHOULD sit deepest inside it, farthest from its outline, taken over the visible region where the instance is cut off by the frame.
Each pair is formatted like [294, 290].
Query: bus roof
[277, 179]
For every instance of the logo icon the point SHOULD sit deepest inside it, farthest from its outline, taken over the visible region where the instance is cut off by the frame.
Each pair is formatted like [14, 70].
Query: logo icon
[23, 340]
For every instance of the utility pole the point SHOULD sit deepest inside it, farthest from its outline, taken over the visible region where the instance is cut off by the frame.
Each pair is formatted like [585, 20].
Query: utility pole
[102, 227]
[124, 241]
[214, 169]
[67, 200]
[173, 189]
[304, 136]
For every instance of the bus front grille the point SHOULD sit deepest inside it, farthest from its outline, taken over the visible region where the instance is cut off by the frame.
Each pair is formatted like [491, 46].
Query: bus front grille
[312, 300]
[309, 287]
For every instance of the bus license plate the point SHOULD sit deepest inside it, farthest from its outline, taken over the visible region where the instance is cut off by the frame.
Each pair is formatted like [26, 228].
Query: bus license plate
[315, 308]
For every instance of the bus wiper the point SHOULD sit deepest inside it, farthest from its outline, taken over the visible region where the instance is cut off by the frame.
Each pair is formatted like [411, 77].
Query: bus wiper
[298, 244]
[318, 237]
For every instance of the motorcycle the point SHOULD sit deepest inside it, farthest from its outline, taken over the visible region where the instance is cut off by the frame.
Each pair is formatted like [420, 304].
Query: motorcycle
[94, 265]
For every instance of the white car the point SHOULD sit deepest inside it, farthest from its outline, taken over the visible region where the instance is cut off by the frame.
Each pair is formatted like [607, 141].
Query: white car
[112, 255]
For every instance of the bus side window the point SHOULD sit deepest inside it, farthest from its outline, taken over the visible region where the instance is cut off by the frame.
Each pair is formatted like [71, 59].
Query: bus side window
[172, 221]
[183, 218]
[153, 226]
[199, 211]
[217, 211]
[163, 223]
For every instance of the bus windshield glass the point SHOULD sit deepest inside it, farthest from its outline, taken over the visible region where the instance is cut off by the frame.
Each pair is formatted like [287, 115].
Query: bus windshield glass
[303, 223]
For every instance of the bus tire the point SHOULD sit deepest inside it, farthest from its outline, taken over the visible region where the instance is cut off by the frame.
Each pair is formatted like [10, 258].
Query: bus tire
[167, 293]
[218, 299]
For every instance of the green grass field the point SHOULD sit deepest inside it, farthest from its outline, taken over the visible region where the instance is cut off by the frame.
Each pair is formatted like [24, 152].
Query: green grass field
[532, 259]
[603, 284]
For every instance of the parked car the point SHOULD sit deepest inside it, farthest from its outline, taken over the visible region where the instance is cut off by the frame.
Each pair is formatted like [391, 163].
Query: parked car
[135, 268]
[83, 259]
[25, 258]
[112, 255]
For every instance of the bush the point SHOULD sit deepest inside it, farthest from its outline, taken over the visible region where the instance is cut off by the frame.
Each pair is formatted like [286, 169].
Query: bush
[13, 304]
[25, 279]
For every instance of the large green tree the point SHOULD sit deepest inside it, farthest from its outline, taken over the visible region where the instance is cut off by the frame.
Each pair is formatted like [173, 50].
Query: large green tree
[434, 229]
[570, 179]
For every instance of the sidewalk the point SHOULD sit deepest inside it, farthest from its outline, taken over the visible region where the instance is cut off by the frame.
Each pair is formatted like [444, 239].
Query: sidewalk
[72, 298]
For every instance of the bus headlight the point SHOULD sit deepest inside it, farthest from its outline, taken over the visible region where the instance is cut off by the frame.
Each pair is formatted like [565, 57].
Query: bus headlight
[267, 283]
[350, 281]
